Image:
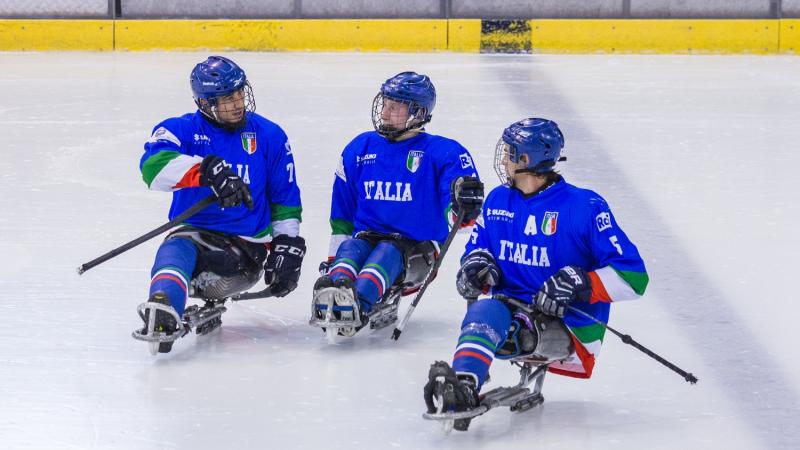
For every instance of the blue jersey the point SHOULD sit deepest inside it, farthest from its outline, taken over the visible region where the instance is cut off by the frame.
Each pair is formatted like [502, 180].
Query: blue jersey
[397, 187]
[259, 153]
[533, 237]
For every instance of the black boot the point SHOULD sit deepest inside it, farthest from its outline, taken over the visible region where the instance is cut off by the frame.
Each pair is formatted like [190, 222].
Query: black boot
[322, 282]
[358, 308]
[456, 393]
[165, 322]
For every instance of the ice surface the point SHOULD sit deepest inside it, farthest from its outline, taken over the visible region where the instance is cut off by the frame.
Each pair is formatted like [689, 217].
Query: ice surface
[696, 155]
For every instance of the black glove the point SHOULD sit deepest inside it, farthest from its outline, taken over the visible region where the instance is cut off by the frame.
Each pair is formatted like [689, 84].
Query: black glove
[466, 194]
[227, 186]
[478, 272]
[325, 266]
[569, 285]
[282, 269]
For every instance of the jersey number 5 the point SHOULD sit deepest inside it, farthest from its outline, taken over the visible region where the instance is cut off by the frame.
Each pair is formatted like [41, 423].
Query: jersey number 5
[615, 243]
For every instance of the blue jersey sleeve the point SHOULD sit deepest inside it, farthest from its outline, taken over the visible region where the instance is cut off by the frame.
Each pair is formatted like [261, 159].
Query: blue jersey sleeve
[344, 201]
[166, 164]
[619, 269]
[457, 163]
[282, 189]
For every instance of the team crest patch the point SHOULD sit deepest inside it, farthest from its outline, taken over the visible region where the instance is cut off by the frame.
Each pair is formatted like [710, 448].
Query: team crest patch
[413, 160]
[249, 142]
[549, 223]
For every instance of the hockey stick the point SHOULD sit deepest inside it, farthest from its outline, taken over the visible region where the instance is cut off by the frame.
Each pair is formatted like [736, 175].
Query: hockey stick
[429, 277]
[267, 292]
[196, 208]
[626, 338]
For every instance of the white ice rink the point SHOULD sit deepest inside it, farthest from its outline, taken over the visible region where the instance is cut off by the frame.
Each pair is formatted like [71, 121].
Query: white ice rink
[697, 156]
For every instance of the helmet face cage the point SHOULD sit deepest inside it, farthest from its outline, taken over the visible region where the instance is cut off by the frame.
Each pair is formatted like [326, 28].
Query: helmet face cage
[504, 154]
[416, 119]
[214, 108]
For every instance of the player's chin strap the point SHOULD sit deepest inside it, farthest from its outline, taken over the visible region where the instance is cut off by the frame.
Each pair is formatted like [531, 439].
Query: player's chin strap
[626, 338]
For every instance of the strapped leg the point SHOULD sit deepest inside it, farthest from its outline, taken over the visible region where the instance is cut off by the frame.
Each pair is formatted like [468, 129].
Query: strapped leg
[335, 304]
[349, 259]
[381, 268]
[172, 271]
[226, 265]
[483, 330]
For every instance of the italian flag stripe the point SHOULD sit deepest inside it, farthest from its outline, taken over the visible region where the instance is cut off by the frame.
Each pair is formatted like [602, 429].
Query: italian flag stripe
[581, 363]
[351, 262]
[480, 348]
[589, 333]
[599, 293]
[379, 269]
[153, 165]
[190, 179]
[165, 170]
[617, 286]
[637, 280]
[483, 341]
[178, 270]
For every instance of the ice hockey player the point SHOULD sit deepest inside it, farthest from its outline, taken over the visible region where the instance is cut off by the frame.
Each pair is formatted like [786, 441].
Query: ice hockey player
[396, 192]
[546, 243]
[223, 148]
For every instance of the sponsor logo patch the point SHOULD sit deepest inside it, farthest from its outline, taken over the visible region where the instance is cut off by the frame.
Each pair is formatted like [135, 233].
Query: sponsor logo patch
[499, 214]
[603, 221]
[163, 134]
[466, 161]
[369, 158]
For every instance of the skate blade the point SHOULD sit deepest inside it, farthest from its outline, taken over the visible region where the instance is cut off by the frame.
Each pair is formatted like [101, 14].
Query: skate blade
[474, 412]
[202, 317]
[383, 315]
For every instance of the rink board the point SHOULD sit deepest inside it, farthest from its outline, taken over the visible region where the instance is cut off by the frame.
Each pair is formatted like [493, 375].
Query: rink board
[685, 36]
[56, 34]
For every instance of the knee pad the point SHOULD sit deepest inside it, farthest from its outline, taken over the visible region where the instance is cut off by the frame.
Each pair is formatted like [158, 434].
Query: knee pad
[355, 249]
[418, 261]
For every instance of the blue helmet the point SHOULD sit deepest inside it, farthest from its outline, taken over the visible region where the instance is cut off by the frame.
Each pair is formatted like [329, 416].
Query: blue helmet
[407, 87]
[540, 140]
[218, 77]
